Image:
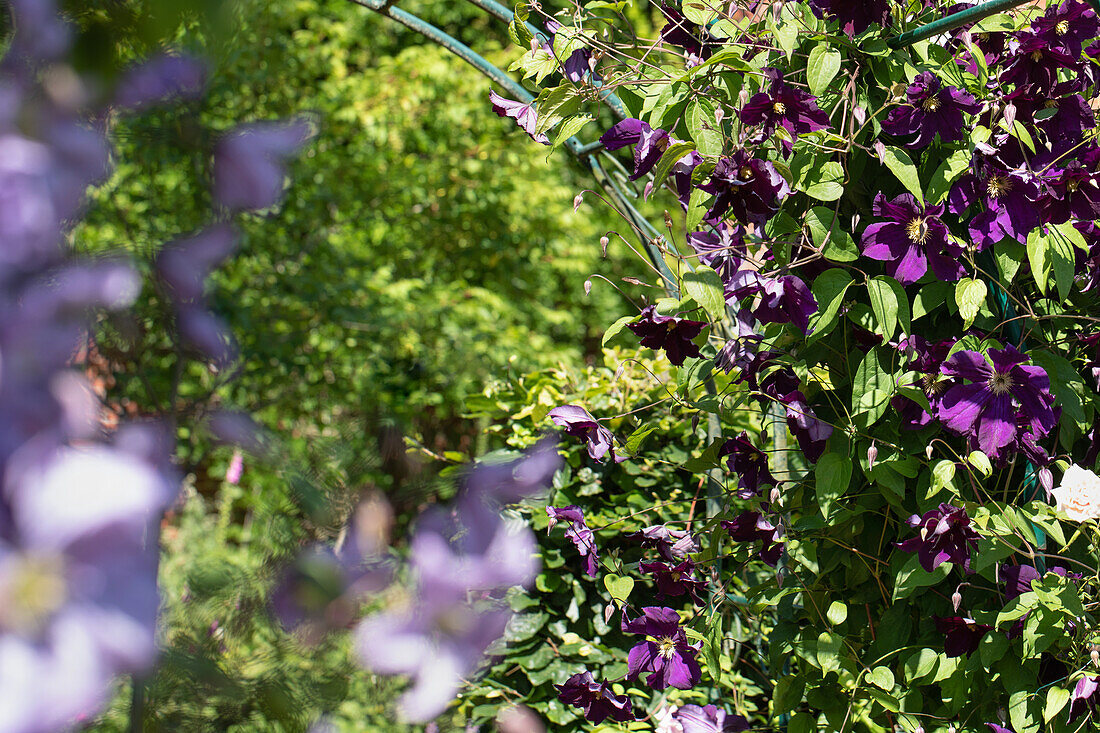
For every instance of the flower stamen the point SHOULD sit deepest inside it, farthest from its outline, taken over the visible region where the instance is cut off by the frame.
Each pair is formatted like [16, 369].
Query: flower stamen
[779, 108]
[931, 104]
[918, 230]
[1000, 383]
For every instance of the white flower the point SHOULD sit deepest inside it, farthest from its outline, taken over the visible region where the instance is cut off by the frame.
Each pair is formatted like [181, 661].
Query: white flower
[1079, 494]
[665, 721]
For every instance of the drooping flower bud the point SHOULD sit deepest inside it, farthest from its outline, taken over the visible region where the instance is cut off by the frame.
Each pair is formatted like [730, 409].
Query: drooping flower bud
[577, 201]
[956, 600]
[872, 455]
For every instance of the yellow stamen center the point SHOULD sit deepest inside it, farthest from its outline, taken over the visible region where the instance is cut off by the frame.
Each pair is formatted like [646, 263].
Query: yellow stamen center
[779, 108]
[745, 174]
[917, 230]
[932, 384]
[1050, 104]
[931, 104]
[1062, 28]
[1072, 185]
[31, 591]
[998, 185]
[1000, 383]
[666, 646]
[1036, 56]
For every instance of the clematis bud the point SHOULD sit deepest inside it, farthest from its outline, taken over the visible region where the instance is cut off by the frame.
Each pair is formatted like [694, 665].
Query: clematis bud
[956, 600]
[577, 201]
[872, 455]
[928, 452]
[719, 115]
[1046, 479]
[588, 286]
[604, 241]
[774, 496]
[1094, 655]
[1010, 114]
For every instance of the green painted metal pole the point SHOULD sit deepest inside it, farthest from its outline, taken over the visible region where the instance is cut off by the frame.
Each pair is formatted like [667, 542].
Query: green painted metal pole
[955, 20]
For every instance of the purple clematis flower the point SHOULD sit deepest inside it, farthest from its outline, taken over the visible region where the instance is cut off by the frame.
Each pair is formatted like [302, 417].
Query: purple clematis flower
[78, 592]
[932, 109]
[961, 635]
[750, 187]
[524, 115]
[945, 535]
[998, 728]
[679, 31]
[160, 79]
[1067, 26]
[1017, 579]
[577, 531]
[598, 701]
[709, 719]
[675, 580]
[577, 65]
[1000, 390]
[1030, 62]
[752, 526]
[668, 658]
[912, 238]
[811, 432]
[1083, 700]
[1072, 192]
[249, 163]
[749, 463]
[579, 422]
[649, 143]
[855, 17]
[784, 299]
[925, 358]
[671, 333]
[1008, 198]
[1066, 126]
[783, 106]
[720, 249]
[671, 544]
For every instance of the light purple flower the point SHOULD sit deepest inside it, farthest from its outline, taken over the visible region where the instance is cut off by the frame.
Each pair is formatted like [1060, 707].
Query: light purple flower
[236, 468]
[160, 79]
[249, 163]
[709, 719]
[1083, 700]
[579, 422]
[524, 115]
[577, 532]
[671, 544]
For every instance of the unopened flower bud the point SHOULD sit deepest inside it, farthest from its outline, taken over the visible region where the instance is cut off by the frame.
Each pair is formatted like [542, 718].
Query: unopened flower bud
[577, 201]
[604, 241]
[928, 452]
[647, 190]
[1094, 655]
[588, 286]
[956, 600]
[774, 496]
[872, 455]
[1010, 114]
[668, 220]
[1046, 479]
[719, 115]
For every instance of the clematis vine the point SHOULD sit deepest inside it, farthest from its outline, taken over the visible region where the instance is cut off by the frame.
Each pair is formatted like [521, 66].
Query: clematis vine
[783, 106]
[931, 109]
[911, 239]
[671, 333]
[667, 657]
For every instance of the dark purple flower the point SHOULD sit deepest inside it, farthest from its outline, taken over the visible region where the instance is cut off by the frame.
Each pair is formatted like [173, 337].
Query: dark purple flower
[679, 31]
[1008, 198]
[1030, 62]
[598, 701]
[945, 535]
[931, 109]
[1017, 579]
[751, 527]
[855, 17]
[749, 463]
[668, 658]
[912, 238]
[926, 358]
[751, 188]
[811, 432]
[961, 635]
[1072, 192]
[577, 531]
[998, 728]
[986, 409]
[709, 719]
[720, 249]
[649, 143]
[1067, 26]
[783, 106]
[783, 299]
[249, 163]
[675, 580]
[577, 65]
[1064, 115]
[524, 115]
[579, 422]
[671, 544]
[1083, 699]
[671, 333]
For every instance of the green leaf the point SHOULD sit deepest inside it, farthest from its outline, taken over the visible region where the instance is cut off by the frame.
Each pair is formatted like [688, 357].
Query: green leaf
[825, 183]
[828, 290]
[833, 472]
[697, 208]
[704, 130]
[920, 665]
[555, 104]
[882, 678]
[1010, 255]
[668, 159]
[825, 232]
[980, 461]
[828, 652]
[615, 329]
[901, 165]
[788, 693]
[837, 612]
[713, 647]
[943, 475]
[969, 296]
[950, 169]
[705, 286]
[1038, 256]
[1057, 698]
[821, 68]
[1064, 237]
[618, 586]
[884, 302]
[912, 576]
[570, 126]
[634, 442]
[872, 388]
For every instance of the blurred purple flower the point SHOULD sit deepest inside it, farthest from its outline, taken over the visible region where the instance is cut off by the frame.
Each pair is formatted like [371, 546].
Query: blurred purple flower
[524, 115]
[945, 535]
[185, 264]
[709, 719]
[932, 109]
[911, 238]
[753, 527]
[961, 635]
[160, 79]
[249, 163]
[671, 333]
[579, 422]
[668, 659]
[577, 532]
[236, 468]
[985, 410]
[598, 701]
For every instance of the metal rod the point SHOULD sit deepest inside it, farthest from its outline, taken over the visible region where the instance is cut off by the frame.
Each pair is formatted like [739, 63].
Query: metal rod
[955, 20]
